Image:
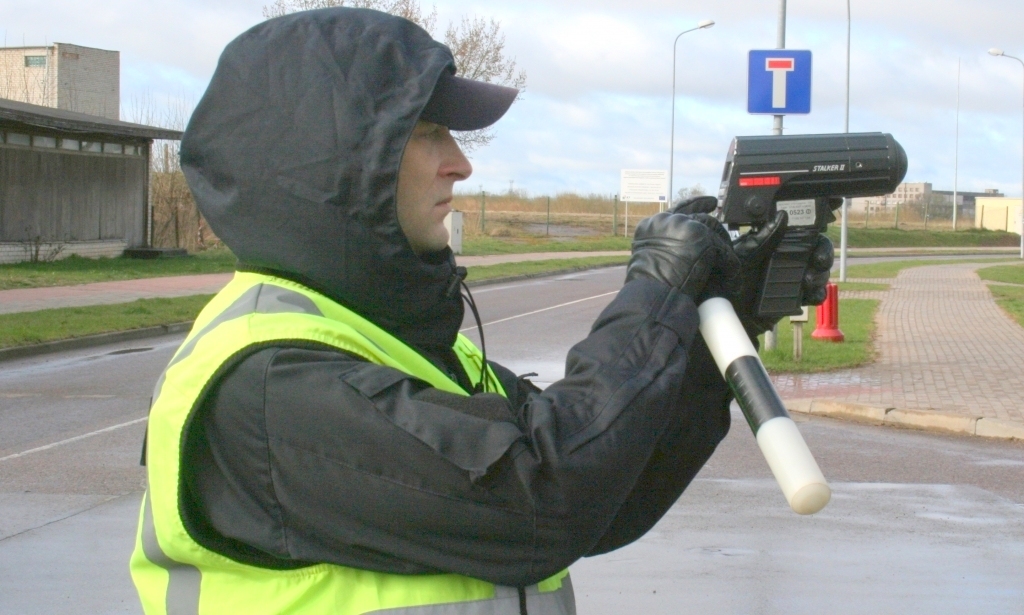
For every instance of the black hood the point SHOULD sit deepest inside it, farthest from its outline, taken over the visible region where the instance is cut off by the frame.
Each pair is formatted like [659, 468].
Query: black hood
[293, 154]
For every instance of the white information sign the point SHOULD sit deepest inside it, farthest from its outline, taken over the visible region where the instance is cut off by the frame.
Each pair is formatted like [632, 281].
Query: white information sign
[643, 186]
[801, 213]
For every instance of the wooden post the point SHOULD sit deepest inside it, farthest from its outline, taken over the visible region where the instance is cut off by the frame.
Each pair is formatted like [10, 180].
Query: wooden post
[615, 217]
[897, 216]
[547, 228]
[483, 211]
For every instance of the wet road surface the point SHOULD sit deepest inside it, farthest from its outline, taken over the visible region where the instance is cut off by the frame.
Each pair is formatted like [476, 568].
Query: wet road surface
[919, 523]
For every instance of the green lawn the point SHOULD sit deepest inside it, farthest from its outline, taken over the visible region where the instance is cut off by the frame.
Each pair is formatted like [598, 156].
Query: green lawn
[1012, 274]
[1011, 299]
[78, 270]
[852, 286]
[483, 245]
[889, 269]
[856, 321]
[892, 238]
[505, 270]
[26, 328]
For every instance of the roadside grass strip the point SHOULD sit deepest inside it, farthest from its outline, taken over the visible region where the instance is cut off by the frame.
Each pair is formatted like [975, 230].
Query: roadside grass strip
[483, 245]
[1011, 299]
[509, 270]
[889, 269]
[892, 238]
[854, 286]
[856, 321]
[1010, 274]
[25, 328]
[78, 270]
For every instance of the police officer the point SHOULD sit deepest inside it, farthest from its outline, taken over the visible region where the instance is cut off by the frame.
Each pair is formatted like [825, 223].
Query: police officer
[325, 441]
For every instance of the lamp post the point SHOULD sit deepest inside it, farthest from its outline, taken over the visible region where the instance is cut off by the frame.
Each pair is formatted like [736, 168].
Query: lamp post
[707, 23]
[844, 224]
[999, 52]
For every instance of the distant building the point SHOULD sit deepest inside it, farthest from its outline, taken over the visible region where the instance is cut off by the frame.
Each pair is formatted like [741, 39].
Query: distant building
[919, 192]
[966, 201]
[72, 183]
[63, 76]
[998, 214]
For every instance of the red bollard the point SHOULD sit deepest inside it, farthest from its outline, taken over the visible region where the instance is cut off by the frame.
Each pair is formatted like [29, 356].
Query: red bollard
[828, 317]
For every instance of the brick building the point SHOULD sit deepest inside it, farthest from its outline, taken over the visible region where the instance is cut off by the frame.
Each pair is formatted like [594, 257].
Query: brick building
[63, 76]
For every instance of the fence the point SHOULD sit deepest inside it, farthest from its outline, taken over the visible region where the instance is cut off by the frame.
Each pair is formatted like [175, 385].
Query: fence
[563, 215]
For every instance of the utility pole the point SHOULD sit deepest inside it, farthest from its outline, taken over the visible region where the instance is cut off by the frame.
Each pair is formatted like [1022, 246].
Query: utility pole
[956, 154]
[844, 223]
[770, 341]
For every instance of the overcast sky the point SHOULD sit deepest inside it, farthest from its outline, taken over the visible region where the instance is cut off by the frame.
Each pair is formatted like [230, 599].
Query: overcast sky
[599, 75]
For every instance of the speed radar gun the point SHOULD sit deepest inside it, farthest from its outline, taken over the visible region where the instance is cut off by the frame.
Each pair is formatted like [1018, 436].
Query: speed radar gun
[798, 174]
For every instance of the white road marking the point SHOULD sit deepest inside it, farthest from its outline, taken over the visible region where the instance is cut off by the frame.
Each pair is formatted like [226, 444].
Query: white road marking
[553, 307]
[70, 440]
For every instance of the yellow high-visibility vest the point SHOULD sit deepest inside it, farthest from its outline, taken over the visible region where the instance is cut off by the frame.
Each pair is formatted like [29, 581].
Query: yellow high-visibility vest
[175, 575]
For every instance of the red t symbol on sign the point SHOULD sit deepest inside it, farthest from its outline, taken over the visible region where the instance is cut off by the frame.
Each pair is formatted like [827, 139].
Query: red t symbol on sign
[779, 67]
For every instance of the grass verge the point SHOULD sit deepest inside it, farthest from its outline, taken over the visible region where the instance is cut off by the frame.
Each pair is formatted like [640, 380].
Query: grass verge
[483, 245]
[854, 286]
[856, 321]
[1011, 274]
[78, 270]
[24, 328]
[1011, 299]
[890, 269]
[505, 270]
[892, 238]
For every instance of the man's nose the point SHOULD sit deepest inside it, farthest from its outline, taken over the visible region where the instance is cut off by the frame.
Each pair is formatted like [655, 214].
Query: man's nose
[454, 163]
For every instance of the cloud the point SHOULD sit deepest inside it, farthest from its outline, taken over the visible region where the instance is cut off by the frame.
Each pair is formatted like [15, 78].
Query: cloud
[600, 76]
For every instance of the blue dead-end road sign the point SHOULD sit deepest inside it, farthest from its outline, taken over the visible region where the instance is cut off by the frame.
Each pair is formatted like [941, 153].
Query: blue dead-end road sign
[779, 81]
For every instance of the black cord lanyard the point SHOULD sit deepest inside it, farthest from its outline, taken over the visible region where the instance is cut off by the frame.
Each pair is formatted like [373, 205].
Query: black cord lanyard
[460, 279]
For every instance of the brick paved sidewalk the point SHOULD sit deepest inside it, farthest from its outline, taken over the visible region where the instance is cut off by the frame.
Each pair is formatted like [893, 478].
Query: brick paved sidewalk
[123, 291]
[943, 344]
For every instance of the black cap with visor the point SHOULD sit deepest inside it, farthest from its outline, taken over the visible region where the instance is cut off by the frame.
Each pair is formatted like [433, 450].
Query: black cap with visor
[464, 104]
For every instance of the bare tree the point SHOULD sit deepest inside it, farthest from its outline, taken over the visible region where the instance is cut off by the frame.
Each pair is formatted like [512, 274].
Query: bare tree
[476, 43]
[692, 191]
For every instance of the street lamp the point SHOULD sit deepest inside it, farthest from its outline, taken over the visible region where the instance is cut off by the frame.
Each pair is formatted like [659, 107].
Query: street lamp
[843, 224]
[707, 23]
[999, 52]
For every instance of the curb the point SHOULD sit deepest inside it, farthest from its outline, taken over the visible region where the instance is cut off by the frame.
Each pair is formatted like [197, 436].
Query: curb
[944, 422]
[88, 341]
[101, 339]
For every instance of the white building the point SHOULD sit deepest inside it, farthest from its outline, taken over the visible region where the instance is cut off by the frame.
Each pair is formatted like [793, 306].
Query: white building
[998, 214]
[63, 76]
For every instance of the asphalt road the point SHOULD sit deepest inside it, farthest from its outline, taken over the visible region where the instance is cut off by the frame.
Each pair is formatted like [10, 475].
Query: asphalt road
[919, 523]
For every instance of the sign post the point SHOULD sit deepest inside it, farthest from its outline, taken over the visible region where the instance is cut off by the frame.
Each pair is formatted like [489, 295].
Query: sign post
[642, 186]
[798, 334]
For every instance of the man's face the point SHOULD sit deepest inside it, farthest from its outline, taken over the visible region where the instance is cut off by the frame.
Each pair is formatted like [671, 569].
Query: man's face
[431, 165]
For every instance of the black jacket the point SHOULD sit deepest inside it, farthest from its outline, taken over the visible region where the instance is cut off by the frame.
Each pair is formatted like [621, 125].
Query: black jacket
[302, 454]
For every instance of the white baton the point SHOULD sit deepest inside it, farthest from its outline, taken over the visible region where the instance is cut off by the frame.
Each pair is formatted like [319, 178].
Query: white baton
[780, 441]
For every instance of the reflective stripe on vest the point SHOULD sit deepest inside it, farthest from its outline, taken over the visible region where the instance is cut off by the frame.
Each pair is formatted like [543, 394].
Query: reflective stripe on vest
[177, 576]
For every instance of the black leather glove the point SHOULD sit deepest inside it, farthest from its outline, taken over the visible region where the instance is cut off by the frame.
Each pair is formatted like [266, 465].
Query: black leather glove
[695, 205]
[689, 254]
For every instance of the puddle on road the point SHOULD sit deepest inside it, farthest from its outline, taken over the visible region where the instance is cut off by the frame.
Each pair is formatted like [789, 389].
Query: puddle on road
[128, 351]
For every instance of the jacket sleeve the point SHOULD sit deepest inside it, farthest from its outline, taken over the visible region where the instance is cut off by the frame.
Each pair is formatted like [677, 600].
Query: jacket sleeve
[306, 455]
